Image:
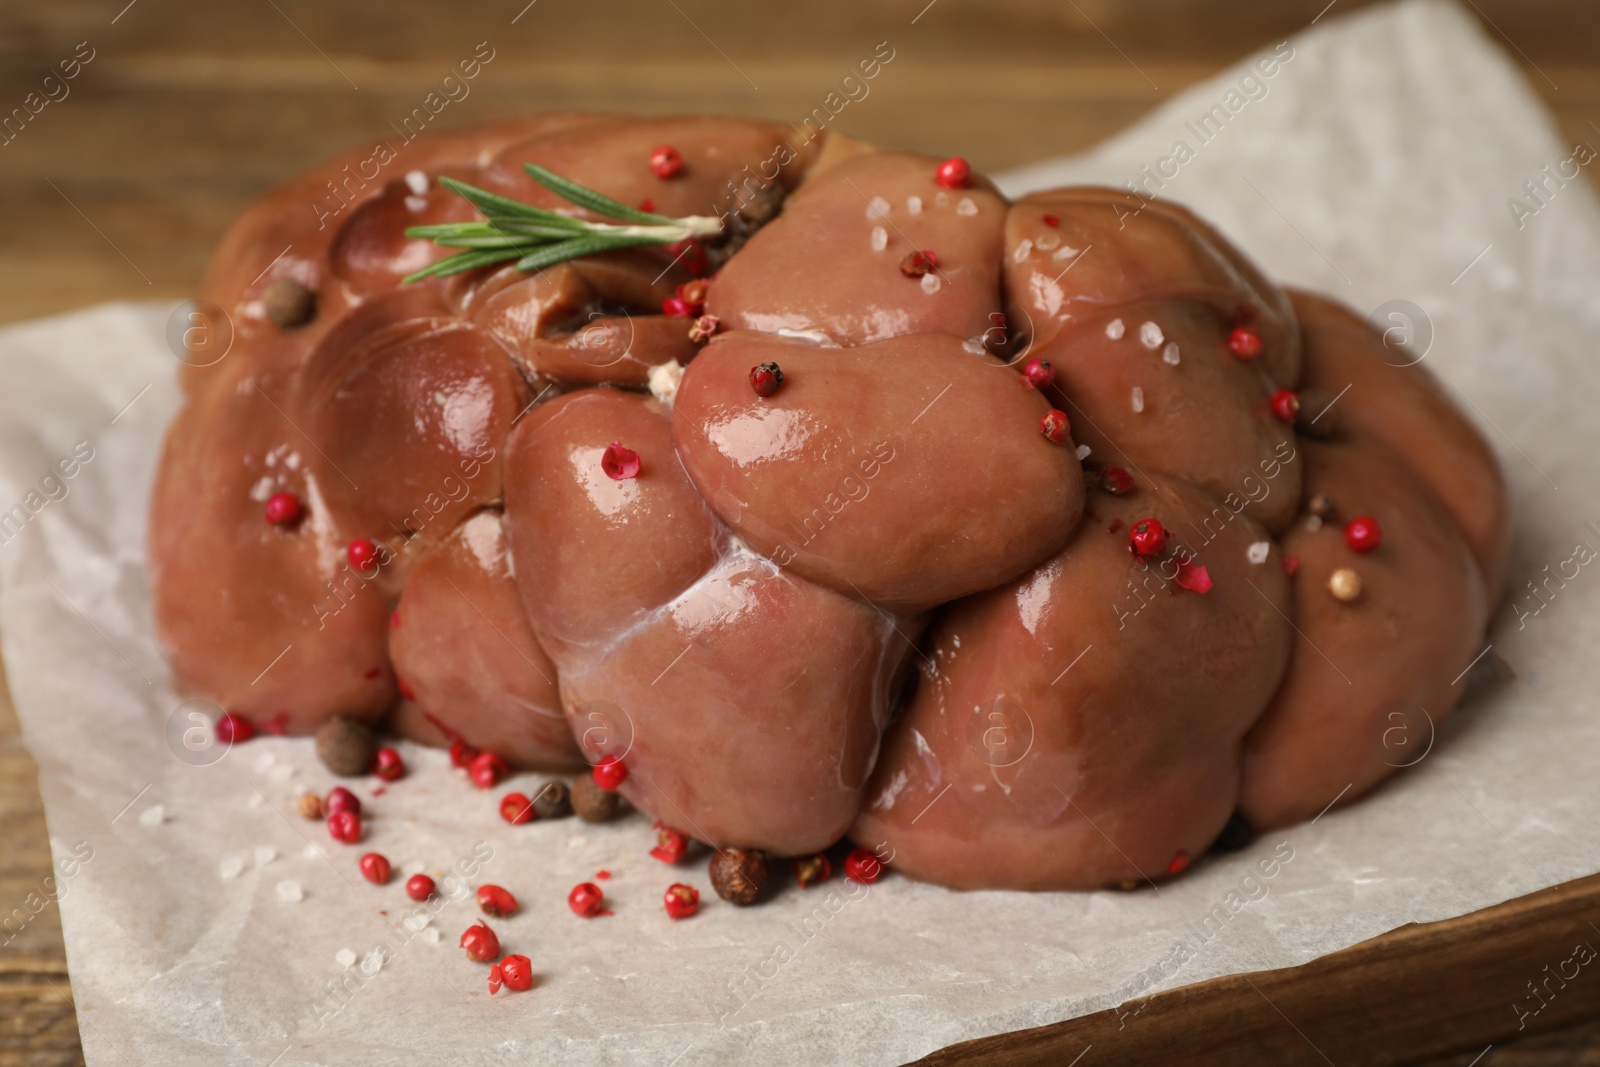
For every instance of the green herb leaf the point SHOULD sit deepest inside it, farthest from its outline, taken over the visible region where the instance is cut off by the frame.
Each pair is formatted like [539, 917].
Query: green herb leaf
[460, 262]
[587, 198]
[577, 248]
[493, 205]
[537, 238]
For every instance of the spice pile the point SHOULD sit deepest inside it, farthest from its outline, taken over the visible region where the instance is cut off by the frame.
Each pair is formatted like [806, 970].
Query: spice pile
[350, 749]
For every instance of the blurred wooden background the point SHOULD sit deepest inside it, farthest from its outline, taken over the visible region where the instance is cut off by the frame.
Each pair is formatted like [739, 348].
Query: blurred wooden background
[188, 111]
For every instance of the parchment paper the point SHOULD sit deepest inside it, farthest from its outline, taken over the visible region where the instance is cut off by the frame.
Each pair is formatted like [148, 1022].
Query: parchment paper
[1377, 166]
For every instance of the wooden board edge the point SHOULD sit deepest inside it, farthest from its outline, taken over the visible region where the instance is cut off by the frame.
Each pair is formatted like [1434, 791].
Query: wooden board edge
[1420, 991]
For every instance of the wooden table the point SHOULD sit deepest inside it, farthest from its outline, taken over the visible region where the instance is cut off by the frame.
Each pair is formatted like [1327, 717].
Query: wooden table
[185, 112]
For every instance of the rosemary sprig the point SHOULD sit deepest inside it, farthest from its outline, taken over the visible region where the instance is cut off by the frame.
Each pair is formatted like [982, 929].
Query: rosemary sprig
[537, 238]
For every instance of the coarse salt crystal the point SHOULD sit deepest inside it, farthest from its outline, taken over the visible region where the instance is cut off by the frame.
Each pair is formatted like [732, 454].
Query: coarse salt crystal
[417, 921]
[431, 936]
[664, 379]
[1064, 252]
[344, 957]
[416, 203]
[914, 204]
[1257, 552]
[1022, 250]
[1169, 354]
[931, 283]
[880, 238]
[154, 815]
[1150, 335]
[1047, 241]
[372, 962]
[1115, 329]
[312, 852]
[1313, 524]
[417, 182]
[1083, 451]
[878, 208]
[974, 345]
[965, 206]
[230, 867]
[289, 891]
[265, 854]
[941, 198]
[1138, 399]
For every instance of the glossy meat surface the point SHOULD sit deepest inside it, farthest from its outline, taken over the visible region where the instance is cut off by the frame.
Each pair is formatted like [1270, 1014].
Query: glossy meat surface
[913, 594]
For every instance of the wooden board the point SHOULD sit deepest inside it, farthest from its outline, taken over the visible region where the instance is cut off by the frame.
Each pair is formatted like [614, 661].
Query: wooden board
[1423, 990]
[187, 112]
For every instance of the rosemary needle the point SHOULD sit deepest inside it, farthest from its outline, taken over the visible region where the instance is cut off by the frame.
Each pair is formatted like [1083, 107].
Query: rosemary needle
[537, 238]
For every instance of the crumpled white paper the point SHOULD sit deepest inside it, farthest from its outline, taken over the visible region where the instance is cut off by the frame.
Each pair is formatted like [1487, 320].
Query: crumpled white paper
[206, 923]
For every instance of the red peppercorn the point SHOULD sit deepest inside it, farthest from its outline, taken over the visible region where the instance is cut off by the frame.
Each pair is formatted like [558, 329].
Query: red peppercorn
[481, 943]
[375, 868]
[1116, 481]
[586, 899]
[863, 866]
[461, 753]
[234, 728]
[810, 870]
[694, 293]
[1179, 863]
[419, 887]
[284, 509]
[916, 264]
[345, 826]
[610, 773]
[1363, 534]
[516, 808]
[681, 900]
[1193, 577]
[1245, 342]
[1286, 405]
[387, 764]
[675, 307]
[497, 979]
[619, 463]
[1055, 426]
[496, 902]
[766, 378]
[954, 173]
[487, 769]
[648, 205]
[691, 254]
[671, 845]
[703, 328]
[1290, 565]
[517, 973]
[1038, 373]
[361, 552]
[341, 799]
[1148, 537]
[666, 162]
[1052, 221]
